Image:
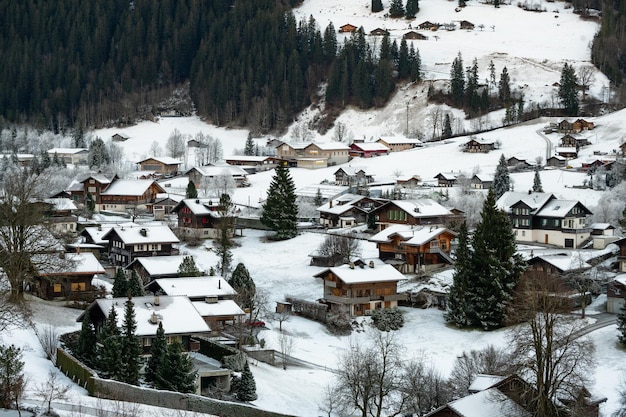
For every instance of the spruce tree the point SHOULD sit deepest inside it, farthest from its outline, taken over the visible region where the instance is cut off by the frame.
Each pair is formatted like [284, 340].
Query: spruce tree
[318, 200]
[225, 230]
[86, 345]
[537, 187]
[157, 356]
[280, 211]
[412, 7]
[495, 266]
[176, 372]
[396, 9]
[457, 80]
[460, 297]
[501, 179]
[247, 386]
[415, 64]
[377, 6]
[120, 284]
[568, 90]
[404, 67]
[447, 127]
[621, 324]
[109, 350]
[98, 154]
[504, 87]
[191, 191]
[242, 283]
[249, 148]
[131, 350]
[471, 89]
[188, 268]
[134, 285]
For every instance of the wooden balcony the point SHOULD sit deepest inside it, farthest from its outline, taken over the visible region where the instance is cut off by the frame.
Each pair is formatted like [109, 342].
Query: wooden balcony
[347, 300]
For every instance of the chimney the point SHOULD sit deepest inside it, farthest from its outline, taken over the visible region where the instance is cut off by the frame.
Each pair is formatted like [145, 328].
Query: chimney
[330, 204]
[154, 319]
[143, 232]
[371, 264]
[156, 300]
[62, 255]
[351, 265]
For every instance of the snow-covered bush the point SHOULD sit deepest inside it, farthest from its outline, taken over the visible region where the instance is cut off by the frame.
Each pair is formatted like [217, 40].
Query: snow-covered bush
[387, 319]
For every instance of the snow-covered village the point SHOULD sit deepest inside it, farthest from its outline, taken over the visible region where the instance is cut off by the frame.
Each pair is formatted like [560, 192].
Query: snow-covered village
[454, 249]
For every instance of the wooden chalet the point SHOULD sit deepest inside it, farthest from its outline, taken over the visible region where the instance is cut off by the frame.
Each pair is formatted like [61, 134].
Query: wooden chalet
[412, 181]
[464, 24]
[69, 279]
[253, 164]
[556, 161]
[202, 175]
[421, 212]
[518, 163]
[581, 125]
[622, 148]
[70, 156]
[198, 217]
[125, 243]
[379, 32]
[60, 215]
[181, 321]
[481, 182]
[120, 137]
[164, 204]
[399, 144]
[352, 176]
[413, 35]
[347, 28]
[368, 149]
[150, 268]
[414, 249]
[428, 26]
[312, 155]
[347, 210]
[616, 294]
[358, 288]
[621, 255]
[163, 165]
[479, 145]
[567, 152]
[121, 195]
[565, 126]
[446, 179]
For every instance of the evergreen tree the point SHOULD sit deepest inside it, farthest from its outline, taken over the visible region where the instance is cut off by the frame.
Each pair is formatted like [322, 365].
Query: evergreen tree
[537, 187]
[492, 76]
[79, 136]
[371, 221]
[501, 179]
[504, 87]
[247, 386]
[86, 345]
[457, 80]
[377, 6]
[568, 90]
[120, 284]
[621, 324]
[225, 230]
[412, 7]
[471, 89]
[462, 3]
[447, 127]
[495, 266]
[176, 372]
[415, 64]
[109, 350]
[249, 149]
[318, 200]
[396, 9]
[12, 381]
[45, 159]
[242, 283]
[130, 348]
[158, 351]
[460, 299]
[191, 192]
[188, 268]
[404, 67]
[134, 285]
[98, 154]
[280, 212]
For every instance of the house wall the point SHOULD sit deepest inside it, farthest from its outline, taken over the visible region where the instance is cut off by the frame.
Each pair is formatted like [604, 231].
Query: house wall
[64, 287]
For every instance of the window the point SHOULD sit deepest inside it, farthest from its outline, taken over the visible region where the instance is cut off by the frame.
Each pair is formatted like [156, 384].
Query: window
[91, 189]
[78, 286]
[147, 341]
[154, 246]
[523, 233]
[56, 288]
[544, 222]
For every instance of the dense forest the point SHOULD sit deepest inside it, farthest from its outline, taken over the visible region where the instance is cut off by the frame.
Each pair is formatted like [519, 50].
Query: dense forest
[608, 52]
[84, 63]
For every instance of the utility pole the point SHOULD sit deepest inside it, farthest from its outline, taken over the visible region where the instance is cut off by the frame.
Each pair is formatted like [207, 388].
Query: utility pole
[407, 118]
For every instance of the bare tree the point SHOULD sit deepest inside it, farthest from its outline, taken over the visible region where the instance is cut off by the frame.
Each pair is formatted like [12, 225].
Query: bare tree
[491, 360]
[330, 402]
[51, 390]
[339, 248]
[155, 149]
[423, 388]
[548, 349]
[49, 339]
[286, 343]
[341, 133]
[586, 77]
[175, 144]
[281, 317]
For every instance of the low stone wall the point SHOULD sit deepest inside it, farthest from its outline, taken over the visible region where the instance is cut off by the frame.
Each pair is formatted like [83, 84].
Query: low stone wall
[75, 370]
[262, 355]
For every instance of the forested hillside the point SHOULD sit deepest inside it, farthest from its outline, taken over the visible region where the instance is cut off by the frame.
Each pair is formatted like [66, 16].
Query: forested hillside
[609, 45]
[113, 61]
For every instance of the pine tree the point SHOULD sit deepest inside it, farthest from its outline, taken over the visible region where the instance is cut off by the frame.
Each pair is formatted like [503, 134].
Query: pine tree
[377, 6]
[415, 64]
[568, 90]
[131, 350]
[495, 266]
[280, 212]
[504, 87]
[191, 191]
[109, 350]
[86, 345]
[492, 76]
[244, 286]
[318, 200]
[621, 324]
[247, 386]
[457, 80]
[98, 154]
[249, 149]
[447, 127]
[188, 268]
[460, 296]
[501, 179]
[471, 89]
[224, 241]
[396, 9]
[120, 284]
[412, 7]
[537, 187]
[404, 68]
[176, 372]
[157, 356]
[134, 287]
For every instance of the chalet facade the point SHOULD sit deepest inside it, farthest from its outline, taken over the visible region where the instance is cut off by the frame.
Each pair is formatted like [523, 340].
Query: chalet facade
[556, 161]
[204, 175]
[71, 280]
[446, 179]
[518, 163]
[163, 165]
[126, 243]
[413, 35]
[253, 164]
[481, 182]
[567, 152]
[347, 28]
[616, 294]
[60, 215]
[422, 212]
[464, 24]
[542, 218]
[479, 145]
[70, 156]
[155, 267]
[120, 137]
[414, 249]
[352, 176]
[198, 216]
[368, 149]
[121, 195]
[398, 144]
[313, 155]
[379, 32]
[347, 210]
[359, 289]
[428, 25]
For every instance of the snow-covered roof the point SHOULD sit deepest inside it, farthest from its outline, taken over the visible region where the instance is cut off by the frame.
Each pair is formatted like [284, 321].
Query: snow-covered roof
[331, 146]
[201, 206]
[248, 158]
[566, 149]
[340, 205]
[62, 204]
[400, 140]
[67, 151]
[177, 314]
[371, 146]
[96, 233]
[601, 226]
[488, 403]
[567, 262]
[450, 176]
[164, 196]
[221, 308]
[98, 177]
[411, 235]
[483, 177]
[366, 274]
[620, 279]
[138, 234]
[159, 265]
[557, 208]
[194, 287]
[533, 200]
[217, 170]
[129, 187]
[78, 263]
[166, 160]
[423, 207]
[482, 382]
